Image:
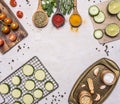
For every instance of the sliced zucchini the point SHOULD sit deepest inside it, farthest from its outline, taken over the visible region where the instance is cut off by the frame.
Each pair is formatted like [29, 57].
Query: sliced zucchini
[98, 34]
[16, 93]
[100, 18]
[28, 70]
[16, 80]
[4, 88]
[93, 10]
[112, 30]
[40, 75]
[29, 84]
[17, 102]
[114, 7]
[49, 86]
[28, 99]
[38, 93]
[118, 15]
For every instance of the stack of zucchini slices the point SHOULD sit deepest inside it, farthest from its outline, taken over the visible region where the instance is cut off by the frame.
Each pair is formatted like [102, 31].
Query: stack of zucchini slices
[112, 29]
[98, 16]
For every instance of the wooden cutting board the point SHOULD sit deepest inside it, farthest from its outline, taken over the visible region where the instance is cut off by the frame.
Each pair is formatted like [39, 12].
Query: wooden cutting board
[20, 32]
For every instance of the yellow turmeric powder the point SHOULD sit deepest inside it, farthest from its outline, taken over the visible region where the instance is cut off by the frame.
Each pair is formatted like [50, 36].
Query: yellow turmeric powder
[75, 20]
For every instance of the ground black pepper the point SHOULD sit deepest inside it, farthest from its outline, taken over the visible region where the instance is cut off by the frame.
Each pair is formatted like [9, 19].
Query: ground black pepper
[12, 60]
[55, 99]
[94, 1]
[106, 49]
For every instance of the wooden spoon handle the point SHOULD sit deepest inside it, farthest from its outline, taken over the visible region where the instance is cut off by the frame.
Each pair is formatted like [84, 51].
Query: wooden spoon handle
[75, 3]
[58, 6]
[75, 6]
[39, 4]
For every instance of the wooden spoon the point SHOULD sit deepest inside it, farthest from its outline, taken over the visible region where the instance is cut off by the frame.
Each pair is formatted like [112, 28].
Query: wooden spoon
[58, 22]
[40, 17]
[75, 19]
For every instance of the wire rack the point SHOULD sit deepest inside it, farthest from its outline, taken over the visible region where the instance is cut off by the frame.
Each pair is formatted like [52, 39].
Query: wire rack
[36, 63]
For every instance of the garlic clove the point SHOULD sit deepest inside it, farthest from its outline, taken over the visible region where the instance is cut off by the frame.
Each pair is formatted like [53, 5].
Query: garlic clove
[103, 87]
[96, 71]
[98, 97]
[83, 85]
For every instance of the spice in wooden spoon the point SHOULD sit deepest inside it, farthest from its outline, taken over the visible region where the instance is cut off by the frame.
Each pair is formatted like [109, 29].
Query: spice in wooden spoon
[58, 19]
[40, 18]
[75, 19]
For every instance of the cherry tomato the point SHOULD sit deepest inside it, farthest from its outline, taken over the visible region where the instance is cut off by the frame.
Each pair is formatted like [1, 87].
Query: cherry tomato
[7, 21]
[5, 29]
[12, 37]
[14, 25]
[1, 42]
[2, 16]
[13, 3]
[19, 14]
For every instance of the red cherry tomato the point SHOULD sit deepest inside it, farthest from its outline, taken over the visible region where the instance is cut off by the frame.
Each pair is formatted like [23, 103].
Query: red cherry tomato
[5, 29]
[13, 3]
[2, 16]
[14, 25]
[1, 42]
[12, 37]
[19, 14]
[7, 21]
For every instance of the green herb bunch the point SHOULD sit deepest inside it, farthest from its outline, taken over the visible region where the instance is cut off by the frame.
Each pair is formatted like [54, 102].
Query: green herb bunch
[65, 6]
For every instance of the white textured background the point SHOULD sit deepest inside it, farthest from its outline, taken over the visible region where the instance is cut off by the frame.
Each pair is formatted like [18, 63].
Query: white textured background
[64, 53]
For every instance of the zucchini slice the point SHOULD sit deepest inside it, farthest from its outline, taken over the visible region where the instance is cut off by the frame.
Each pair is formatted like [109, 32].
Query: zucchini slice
[118, 15]
[112, 30]
[114, 7]
[28, 99]
[16, 80]
[16, 93]
[4, 88]
[100, 18]
[93, 10]
[49, 86]
[28, 70]
[17, 102]
[38, 93]
[29, 85]
[98, 34]
[40, 75]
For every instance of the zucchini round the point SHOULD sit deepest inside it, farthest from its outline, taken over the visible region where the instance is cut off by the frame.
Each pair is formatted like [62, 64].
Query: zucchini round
[16, 80]
[38, 93]
[16, 93]
[28, 70]
[29, 85]
[40, 75]
[100, 18]
[98, 34]
[118, 15]
[4, 88]
[112, 30]
[114, 7]
[93, 10]
[17, 102]
[28, 99]
[49, 86]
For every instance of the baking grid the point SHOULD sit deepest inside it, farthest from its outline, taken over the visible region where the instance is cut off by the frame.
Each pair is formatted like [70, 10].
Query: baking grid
[36, 63]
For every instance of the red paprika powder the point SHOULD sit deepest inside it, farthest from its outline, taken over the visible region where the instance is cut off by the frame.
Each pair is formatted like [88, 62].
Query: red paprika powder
[58, 20]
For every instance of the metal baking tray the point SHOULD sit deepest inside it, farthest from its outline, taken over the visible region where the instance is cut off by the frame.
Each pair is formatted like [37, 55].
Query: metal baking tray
[36, 63]
[82, 84]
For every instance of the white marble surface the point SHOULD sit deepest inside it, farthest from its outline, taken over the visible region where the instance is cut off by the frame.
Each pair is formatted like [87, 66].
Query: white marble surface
[65, 54]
